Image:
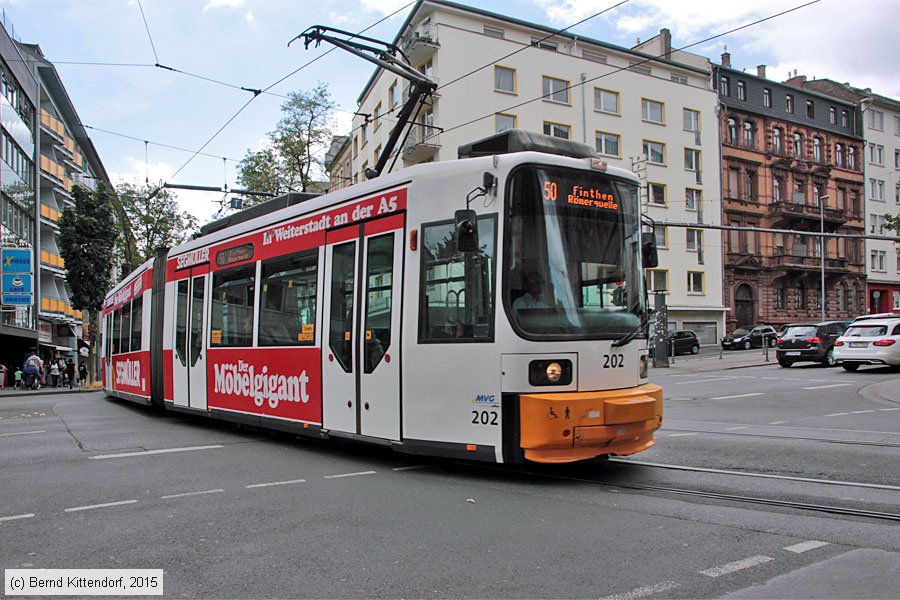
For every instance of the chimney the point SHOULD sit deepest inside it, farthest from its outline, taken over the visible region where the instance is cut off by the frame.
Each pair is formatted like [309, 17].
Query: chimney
[726, 58]
[761, 71]
[665, 40]
[797, 80]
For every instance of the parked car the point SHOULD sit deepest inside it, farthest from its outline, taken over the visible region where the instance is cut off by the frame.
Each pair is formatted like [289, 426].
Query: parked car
[746, 338]
[809, 342]
[683, 341]
[876, 316]
[869, 342]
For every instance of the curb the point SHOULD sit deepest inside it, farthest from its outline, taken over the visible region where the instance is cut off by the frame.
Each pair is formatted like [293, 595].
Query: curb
[45, 392]
[881, 392]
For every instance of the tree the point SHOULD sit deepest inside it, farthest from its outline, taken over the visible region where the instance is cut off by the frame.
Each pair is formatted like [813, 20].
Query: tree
[149, 223]
[87, 239]
[892, 222]
[300, 137]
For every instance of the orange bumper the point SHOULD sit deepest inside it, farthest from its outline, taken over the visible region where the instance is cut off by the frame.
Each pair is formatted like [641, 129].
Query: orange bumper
[558, 428]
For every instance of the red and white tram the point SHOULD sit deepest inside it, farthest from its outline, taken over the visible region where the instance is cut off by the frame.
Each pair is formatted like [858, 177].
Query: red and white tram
[514, 333]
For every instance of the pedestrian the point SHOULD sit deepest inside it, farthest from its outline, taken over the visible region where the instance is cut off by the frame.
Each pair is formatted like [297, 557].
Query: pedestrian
[82, 374]
[18, 375]
[54, 373]
[70, 373]
[34, 368]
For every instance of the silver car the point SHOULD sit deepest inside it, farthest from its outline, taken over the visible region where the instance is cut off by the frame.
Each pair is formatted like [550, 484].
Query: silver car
[869, 342]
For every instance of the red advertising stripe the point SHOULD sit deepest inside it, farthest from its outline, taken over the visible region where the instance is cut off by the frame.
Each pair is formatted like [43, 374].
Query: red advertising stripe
[131, 373]
[274, 382]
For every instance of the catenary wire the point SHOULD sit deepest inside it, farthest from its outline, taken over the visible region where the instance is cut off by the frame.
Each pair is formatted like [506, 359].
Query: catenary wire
[147, 27]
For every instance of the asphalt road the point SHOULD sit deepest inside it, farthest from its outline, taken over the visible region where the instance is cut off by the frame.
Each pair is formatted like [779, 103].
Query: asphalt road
[90, 482]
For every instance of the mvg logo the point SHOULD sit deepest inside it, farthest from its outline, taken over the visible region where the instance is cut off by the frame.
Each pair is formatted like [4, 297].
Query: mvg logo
[485, 399]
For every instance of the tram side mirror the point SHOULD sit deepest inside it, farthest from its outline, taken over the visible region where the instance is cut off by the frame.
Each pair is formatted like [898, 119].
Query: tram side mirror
[466, 231]
[648, 250]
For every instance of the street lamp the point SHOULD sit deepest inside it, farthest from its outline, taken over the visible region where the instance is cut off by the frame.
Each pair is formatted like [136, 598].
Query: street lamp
[822, 249]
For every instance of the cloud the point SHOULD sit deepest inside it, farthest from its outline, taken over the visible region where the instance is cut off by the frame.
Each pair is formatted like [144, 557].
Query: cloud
[228, 4]
[249, 17]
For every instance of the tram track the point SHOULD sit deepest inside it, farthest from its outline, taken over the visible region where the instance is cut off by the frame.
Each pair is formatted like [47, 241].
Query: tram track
[790, 437]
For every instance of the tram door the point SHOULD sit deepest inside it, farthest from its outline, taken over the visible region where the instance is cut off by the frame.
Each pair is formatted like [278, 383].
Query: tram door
[189, 368]
[361, 358]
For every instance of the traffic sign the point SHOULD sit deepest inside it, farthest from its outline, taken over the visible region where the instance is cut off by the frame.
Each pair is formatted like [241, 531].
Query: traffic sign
[17, 283]
[15, 260]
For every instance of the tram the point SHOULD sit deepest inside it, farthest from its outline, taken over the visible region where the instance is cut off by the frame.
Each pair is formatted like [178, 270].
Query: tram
[490, 308]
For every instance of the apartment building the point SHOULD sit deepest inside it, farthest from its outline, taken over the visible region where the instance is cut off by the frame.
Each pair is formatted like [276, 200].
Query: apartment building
[641, 110]
[879, 121]
[792, 159]
[46, 151]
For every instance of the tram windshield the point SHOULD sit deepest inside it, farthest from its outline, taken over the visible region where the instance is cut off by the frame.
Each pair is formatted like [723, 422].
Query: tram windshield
[572, 255]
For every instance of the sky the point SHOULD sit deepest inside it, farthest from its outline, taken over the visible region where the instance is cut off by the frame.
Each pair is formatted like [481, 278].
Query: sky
[105, 55]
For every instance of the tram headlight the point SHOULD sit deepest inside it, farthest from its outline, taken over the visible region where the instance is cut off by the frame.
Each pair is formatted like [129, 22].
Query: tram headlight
[550, 372]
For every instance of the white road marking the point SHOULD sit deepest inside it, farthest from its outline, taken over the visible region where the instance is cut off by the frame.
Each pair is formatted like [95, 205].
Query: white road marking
[805, 546]
[734, 428]
[823, 387]
[705, 380]
[149, 452]
[861, 412]
[887, 409]
[105, 505]
[190, 494]
[287, 482]
[681, 434]
[739, 396]
[16, 517]
[349, 474]
[411, 468]
[738, 565]
[20, 433]
[837, 414]
[777, 422]
[641, 592]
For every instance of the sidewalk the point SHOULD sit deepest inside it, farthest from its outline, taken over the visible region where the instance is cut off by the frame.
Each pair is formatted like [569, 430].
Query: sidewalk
[44, 391]
[704, 363]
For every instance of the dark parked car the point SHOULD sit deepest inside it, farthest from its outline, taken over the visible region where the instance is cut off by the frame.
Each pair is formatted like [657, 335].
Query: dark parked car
[752, 337]
[809, 342]
[684, 342]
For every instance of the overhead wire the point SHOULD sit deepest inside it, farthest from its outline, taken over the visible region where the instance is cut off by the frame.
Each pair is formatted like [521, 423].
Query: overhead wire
[147, 27]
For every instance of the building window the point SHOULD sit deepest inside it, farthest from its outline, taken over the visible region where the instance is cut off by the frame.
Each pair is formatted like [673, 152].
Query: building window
[394, 94]
[607, 143]
[876, 154]
[777, 140]
[801, 295]
[767, 97]
[742, 90]
[777, 191]
[817, 149]
[657, 193]
[657, 280]
[661, 232]
[749, 135]
[504, 80]
[364, 133]
[897, 159]
[556, 90]
[832, 115]
[789, 103]
[695, 282]
[504, 122]
[694, 240]
[691, 120]
[544, 44]
[876, 119]
[896, 302]
[878, 258]
[810, 109]
[678, 78]
[851, 158]
[593, 57]
[876, 187]
[779, 293]
[557, 130]
[606, 101]
[798, 145]
[655, 152]
[494, 32]
[799, 192]
[724, 86]
[731, 125]
[845, 118]
[692, 198]
[376, 117]
[641, 68]
[691, 160]
[652, 111]
[839, 155]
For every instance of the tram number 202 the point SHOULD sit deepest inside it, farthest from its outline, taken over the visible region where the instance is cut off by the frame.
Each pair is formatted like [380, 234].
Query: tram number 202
[613, 361]
[484, 417]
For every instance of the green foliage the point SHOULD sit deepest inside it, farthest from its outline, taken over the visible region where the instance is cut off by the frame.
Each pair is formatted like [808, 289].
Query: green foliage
[149, 223]
[892, 222]
[87, 239]
[300, 137]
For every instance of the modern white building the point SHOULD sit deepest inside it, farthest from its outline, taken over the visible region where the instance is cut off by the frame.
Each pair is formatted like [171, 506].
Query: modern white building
[651, 111]
[881, 130]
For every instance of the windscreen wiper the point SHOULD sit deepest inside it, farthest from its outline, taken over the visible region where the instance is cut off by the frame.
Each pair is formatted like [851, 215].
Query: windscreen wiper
[634, 332]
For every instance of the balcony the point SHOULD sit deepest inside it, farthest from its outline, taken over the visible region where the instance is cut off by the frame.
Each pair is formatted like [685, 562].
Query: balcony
[423, 143]
[833, 266]
[795, 211]
[55, 172]
[59, 308]
[421, 43]
[50, 215]
[53, 262]
[53, 126]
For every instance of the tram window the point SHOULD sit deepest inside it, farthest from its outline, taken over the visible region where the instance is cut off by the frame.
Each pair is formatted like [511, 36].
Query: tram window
[340, 337]
[181, 319]
[232, 307]
[125, 335]
[457, 302]
[117, 331]
[379, 287]
[137, 310]
[287, 311]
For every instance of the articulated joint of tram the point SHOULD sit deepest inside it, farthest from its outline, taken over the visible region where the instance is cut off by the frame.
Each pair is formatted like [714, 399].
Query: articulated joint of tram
[566, 427]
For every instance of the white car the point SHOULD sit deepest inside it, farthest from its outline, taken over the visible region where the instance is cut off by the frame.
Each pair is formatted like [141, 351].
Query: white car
[869, 342]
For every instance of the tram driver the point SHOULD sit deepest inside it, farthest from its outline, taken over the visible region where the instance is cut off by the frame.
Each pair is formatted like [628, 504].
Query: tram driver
[534, 288]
